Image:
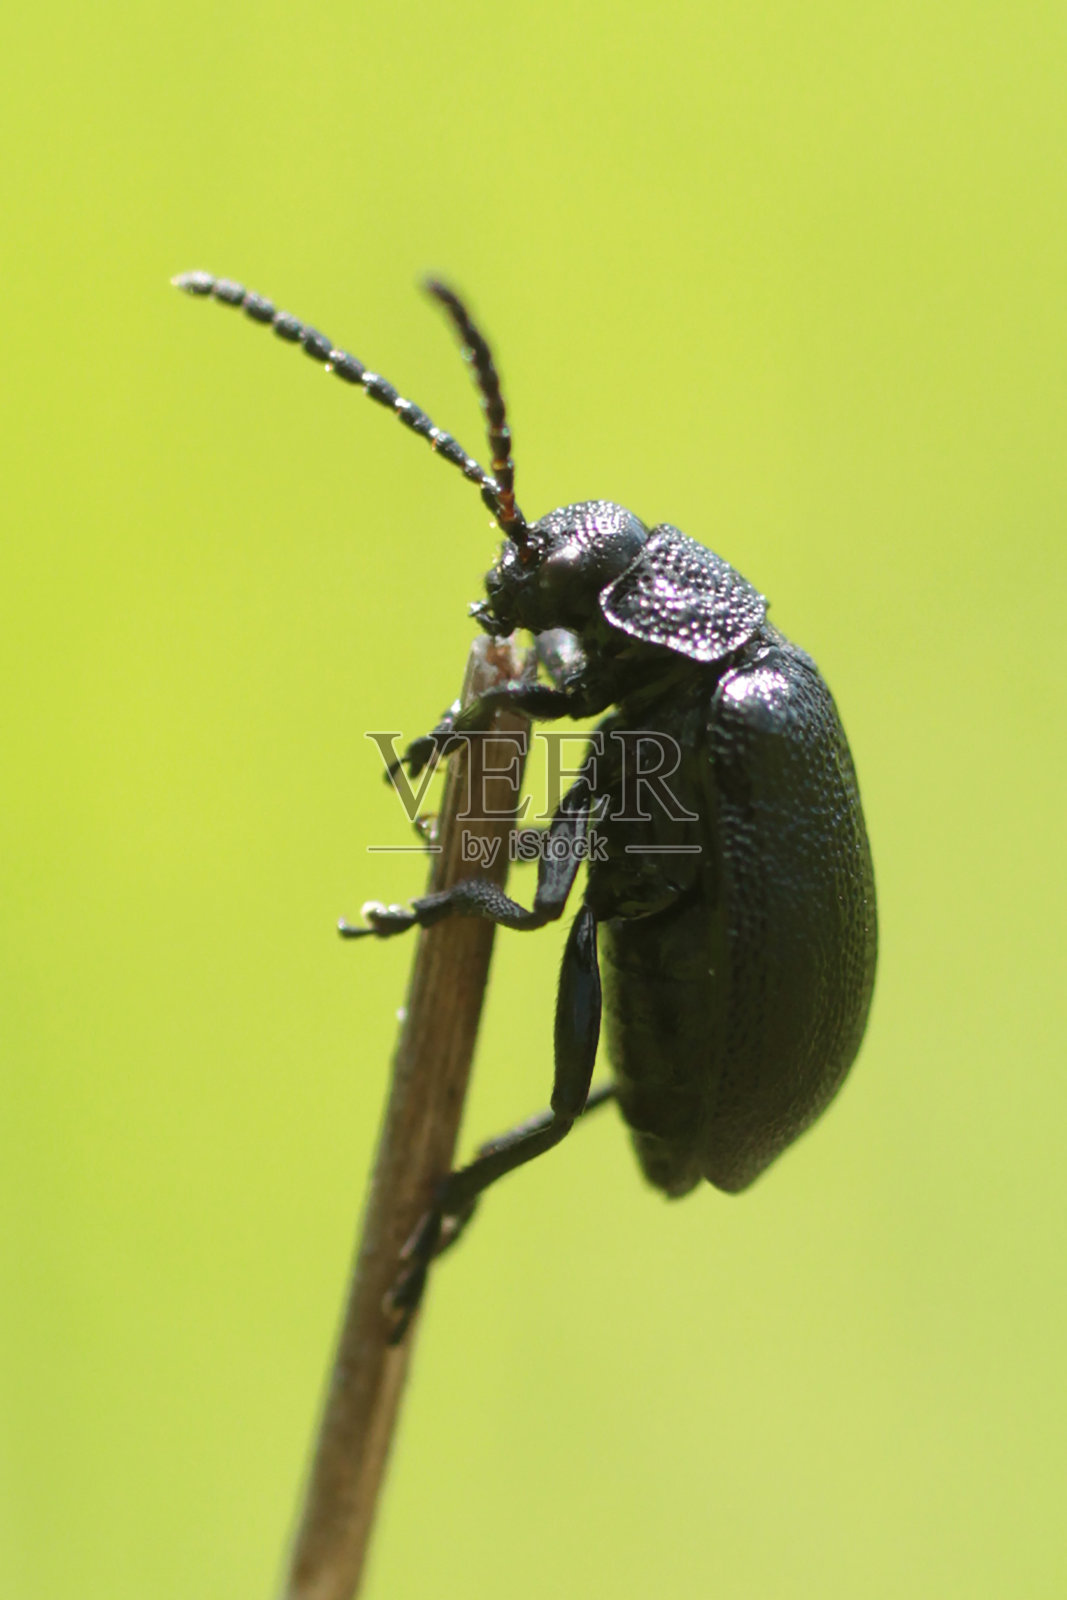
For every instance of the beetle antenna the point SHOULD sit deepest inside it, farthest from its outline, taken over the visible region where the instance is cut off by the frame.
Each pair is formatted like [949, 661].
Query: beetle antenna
[376, 387]
[479, 358]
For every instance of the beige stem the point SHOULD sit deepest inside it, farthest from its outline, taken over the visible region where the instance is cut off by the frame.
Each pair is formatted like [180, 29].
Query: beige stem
[430, 1072]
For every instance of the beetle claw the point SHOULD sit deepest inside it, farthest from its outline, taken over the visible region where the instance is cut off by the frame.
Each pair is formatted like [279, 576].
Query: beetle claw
[431, 747]
[427, 827]
[434, 1232]
[420, 752]
[421, 1243]
[418, 1250]
[402, 1301]
[383, 921]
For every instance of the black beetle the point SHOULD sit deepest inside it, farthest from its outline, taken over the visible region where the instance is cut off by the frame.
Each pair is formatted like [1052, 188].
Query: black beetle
[736, 927]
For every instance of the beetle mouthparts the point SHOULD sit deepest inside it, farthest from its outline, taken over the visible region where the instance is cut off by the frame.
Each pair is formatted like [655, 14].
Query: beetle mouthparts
[487, 619]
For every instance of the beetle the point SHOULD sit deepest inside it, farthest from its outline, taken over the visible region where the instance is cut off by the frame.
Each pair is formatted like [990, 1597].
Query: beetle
[731, 929]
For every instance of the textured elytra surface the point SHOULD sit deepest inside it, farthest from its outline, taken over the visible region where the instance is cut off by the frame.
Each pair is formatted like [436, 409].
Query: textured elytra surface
[679, 594]
[798, 901]
[734, 1014]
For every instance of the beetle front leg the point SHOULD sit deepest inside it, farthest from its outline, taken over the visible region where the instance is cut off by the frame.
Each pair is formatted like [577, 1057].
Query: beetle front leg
[577, 1034]
[541, 701]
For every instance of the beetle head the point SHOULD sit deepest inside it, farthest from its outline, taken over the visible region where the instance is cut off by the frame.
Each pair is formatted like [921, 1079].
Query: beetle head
[552, 575]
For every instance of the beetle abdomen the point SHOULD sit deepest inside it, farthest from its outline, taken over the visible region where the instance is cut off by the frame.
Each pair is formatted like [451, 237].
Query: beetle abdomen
[798, 908]
[661, 938]
[657, 1021]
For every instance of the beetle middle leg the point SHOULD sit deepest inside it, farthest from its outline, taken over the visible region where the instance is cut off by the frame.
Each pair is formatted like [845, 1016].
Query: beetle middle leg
[577, 1033]
[557, 869]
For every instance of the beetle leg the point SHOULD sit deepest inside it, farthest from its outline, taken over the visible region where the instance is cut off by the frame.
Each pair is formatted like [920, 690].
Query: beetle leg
[557, 869]
[560, 655]
[453, 1225]
[541, 701]
[426, 827]
[577, 1035]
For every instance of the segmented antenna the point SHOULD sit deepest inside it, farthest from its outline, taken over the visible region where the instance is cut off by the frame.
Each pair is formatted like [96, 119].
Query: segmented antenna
[479, 357]
[376, 387]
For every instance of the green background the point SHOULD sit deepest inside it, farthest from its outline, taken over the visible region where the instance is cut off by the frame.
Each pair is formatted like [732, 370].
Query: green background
[793, 277]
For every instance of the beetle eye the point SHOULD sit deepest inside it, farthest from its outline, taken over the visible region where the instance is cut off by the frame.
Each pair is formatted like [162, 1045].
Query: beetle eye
[531, 550]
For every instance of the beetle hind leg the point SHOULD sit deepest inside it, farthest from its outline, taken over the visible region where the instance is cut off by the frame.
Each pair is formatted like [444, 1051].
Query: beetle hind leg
[577, 1035]
[453, 1225]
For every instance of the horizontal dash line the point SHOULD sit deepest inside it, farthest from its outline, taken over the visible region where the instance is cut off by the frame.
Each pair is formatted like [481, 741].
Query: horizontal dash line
[404, 849]
[662, 850]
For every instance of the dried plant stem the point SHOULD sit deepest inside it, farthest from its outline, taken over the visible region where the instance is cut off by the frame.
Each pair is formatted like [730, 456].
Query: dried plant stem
[430, 1071]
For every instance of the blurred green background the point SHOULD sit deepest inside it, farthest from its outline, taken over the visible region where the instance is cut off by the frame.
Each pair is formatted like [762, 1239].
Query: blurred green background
[792, 277]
